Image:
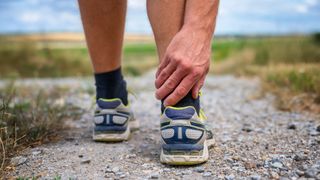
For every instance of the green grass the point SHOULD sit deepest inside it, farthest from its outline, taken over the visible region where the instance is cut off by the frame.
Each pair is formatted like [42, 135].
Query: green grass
[242, 56]
[290, 62]
[298, 79]
[222, 49]
[26, 59]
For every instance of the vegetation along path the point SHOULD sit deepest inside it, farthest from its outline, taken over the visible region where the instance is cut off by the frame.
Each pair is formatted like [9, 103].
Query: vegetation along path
[253, 139]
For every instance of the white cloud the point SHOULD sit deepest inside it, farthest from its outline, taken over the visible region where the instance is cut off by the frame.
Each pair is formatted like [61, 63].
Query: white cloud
[305, 6]
[312, 2]
[30, 17]
[245, 16]
[137, 4]
[302, 8]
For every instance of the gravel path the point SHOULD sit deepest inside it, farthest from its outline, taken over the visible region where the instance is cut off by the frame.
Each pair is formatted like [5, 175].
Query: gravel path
[253, 139]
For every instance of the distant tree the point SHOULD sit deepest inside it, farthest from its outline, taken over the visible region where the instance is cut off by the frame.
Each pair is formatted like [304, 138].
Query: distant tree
[316, 37]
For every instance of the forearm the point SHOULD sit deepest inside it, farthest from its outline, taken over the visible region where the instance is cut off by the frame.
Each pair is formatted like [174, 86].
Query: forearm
[201, 16]
[187, 57]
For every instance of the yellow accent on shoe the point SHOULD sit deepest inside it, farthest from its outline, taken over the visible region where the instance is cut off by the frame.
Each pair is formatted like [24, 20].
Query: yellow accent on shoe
[202, 115]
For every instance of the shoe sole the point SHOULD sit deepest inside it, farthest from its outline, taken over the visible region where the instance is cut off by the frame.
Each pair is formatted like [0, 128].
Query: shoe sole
[116, 137]
[187, 159]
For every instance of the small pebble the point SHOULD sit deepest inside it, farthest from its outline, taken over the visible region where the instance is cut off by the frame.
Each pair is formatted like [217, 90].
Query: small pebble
[276, 164]
[300, 173]
[115, 169]
[199, 169]
[206, 174]
[36, 153]
[86, 161]
[247, 128]
[229, 177]
[154, 175]
[274, 175]
[16, 161]
[311, 172]
[255, 177]
[250, 165]
[292, 126]
[300, 157]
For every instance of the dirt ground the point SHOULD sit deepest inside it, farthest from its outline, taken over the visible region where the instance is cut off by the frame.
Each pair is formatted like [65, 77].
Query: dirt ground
[253, 139]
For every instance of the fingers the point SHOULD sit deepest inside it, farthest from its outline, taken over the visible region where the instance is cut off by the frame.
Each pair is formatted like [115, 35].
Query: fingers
[164, 75]
[181, 90]
[162, 65]
[170, 84]
[196, 88]
[198, 85]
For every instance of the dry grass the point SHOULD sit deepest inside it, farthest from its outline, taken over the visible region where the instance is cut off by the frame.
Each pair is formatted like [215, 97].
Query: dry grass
[29, 117]
[288, 67]
[283, 62]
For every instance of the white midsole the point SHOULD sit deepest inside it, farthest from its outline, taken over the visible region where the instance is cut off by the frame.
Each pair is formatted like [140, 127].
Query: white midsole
[186, 159]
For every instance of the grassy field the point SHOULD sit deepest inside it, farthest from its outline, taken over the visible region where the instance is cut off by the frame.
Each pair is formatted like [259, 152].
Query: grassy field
[290, 63]
[288, 67]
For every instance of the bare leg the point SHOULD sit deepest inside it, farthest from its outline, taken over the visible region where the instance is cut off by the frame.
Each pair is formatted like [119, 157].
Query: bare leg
[166, 18]
[103, 23]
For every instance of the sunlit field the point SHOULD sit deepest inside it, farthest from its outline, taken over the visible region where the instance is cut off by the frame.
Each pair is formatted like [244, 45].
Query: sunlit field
[291, 62]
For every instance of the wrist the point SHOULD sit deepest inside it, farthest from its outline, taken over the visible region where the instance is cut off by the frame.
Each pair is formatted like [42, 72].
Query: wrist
[199, 32]
[201, 28]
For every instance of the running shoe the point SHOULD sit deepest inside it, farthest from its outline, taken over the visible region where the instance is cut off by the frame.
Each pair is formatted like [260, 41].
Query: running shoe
[185, 136]
[113, 121]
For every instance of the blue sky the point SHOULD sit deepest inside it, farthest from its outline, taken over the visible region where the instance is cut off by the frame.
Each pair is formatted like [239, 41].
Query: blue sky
[235, 16]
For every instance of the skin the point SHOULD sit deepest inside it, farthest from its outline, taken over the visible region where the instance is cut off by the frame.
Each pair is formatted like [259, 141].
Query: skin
[183, 31]
[187, 58]
[103, 22]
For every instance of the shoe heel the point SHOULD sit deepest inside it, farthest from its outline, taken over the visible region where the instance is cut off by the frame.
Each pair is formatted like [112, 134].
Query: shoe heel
[111, 137]
[184, 157]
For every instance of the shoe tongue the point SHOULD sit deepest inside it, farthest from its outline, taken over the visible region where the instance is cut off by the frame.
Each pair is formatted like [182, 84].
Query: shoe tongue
[179, 112]
[108, 103]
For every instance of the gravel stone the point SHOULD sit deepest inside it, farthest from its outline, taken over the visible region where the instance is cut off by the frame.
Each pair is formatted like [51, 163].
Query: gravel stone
[229, 177]
[255, 177]
[35, 153]
[86, 161]
[115, 169]
[199, 169]
[251, 135]
[154, 175]
[207, 174]
[292, 126]
[311, 172]
[18, 160]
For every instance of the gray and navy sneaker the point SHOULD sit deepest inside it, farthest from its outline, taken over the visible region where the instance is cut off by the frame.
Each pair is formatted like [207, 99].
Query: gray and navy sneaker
[113, 121]
[185, 137]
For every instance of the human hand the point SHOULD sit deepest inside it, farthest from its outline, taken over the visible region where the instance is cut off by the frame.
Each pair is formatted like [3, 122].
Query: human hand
[184, 66]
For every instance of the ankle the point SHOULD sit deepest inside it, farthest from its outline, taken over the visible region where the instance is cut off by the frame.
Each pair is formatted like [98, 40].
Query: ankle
[111, 85]
[188, 100]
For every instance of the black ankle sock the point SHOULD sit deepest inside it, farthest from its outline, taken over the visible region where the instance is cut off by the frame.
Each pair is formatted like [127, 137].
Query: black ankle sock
[111, 85]
[186, 101]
